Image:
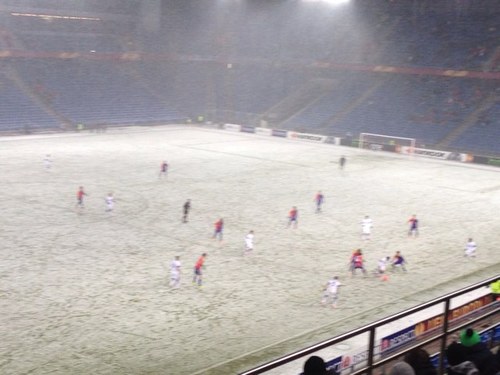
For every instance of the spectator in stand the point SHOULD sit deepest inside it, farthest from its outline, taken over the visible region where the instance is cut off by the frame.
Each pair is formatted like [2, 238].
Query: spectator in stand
[458, 364]
[495, 62]
[316, 366]
[402, 368]
[478, 353]
[420, 361]
[495, 291]
[498, 356]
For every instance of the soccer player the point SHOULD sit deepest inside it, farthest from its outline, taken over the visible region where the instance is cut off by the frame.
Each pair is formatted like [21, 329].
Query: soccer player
[163, 169]
[357, 262]
[198, 268]
[382, 265]
[398, 261]
[47, 161]
[249, 242]
[185, 210]
[331, 292]
[366, 228]
[413, 230]
[218, 229]
[79, 197]
[470, 248]
[318, 199]
[110, 202]
[293, 217]
[351, 263]
[342, 162]
[175, 272]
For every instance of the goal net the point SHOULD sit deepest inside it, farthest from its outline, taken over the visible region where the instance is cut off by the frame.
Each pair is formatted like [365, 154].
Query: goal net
[380, 142]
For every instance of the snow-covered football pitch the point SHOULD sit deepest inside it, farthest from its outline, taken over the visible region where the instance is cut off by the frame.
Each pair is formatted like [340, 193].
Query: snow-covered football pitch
[87, 291]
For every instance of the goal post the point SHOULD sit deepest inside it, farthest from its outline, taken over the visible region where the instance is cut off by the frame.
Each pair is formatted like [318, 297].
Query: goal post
[381, 142]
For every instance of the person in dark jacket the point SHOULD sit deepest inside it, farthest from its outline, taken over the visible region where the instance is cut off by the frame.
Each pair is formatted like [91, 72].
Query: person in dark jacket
[478, 353]
[316, 366]
[498, 356]
[458, 364]
[420, 361]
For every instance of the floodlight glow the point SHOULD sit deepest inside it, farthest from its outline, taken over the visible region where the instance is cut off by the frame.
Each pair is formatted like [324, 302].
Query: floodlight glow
[331, 2]
[53, 16]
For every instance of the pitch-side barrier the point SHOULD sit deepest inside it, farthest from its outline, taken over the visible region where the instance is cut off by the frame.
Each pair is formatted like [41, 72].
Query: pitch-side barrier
[371, 145]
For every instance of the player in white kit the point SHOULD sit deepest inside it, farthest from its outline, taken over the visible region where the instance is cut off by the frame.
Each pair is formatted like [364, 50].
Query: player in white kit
[249, 242]
[110, 202]
[331, 292]
[175, 272]
[47, 161]
[366, 228]
[470, 248]
[382, 265]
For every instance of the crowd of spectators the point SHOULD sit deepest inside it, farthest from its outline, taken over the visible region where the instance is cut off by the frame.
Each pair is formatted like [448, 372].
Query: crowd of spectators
[468, 356]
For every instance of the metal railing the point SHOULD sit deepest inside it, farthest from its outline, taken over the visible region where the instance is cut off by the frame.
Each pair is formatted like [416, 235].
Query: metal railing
[441, 335]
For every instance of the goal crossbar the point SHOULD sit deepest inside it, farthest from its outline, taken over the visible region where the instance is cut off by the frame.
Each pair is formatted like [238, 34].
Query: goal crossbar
[366, 140]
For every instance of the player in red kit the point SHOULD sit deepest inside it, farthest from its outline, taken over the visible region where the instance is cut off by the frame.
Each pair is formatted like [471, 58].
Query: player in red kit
[293, 217]
[79, 197]
[413, 230]
[318, 199]
[198, 268]
[357, 262]
[398, 261]
[218, 228]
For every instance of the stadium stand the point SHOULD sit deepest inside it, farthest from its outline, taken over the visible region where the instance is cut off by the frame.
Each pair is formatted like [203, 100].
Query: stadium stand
[253, 76]
[483, 136]
[75, 42]
[19, 109]
[413, 106]
[346, 90]
[96, 92]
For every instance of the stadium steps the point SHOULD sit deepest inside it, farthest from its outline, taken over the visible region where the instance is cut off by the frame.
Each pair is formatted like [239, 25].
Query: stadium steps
[142, 82]
[65, 123]
[19, 82]
[469, 121]
[337, 117]
[300, 127]
[298, 101]
[491, 64]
